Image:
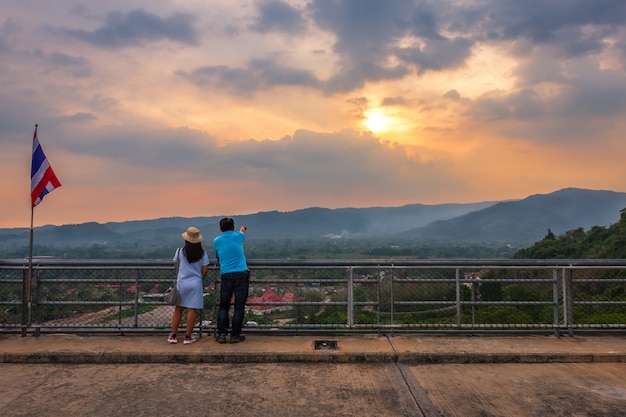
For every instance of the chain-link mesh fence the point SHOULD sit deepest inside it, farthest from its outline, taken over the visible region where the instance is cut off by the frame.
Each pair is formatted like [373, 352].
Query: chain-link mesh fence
[325, 295]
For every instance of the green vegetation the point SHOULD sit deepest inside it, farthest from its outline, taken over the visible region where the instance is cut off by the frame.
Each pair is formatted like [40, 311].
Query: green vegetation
[343, 248]
[597, 243]
[127, 312]
[508, 296]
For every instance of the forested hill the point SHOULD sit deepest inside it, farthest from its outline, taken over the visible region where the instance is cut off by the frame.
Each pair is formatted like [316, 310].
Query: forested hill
[525, 221]
[597, 243]
[392, 231]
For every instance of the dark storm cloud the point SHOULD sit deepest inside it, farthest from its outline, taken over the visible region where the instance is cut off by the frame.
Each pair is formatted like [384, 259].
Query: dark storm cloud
[102, 103]
[273, 74]
[181, 149]
[336, 162]
[452, 95]
[277, 16]
[259, 74]
[541, 20]
[3, 45]
[19, 112]
[394, 101]
[81, 117]
[438, 54]
[137, 27]
[342, 162]
[240, 81]
[12, 111]
[378, 41]
[620, 47]
[587, 105]
[575, 27]
[364, 29]
[355, 77]
[77, 67]
[8, 29]
[368, 31]
[593, 94]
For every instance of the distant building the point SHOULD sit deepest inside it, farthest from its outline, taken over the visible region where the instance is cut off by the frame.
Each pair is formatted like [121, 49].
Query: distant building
[269, 296]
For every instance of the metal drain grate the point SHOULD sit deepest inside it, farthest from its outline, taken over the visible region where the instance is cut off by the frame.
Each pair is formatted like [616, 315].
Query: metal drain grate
[325, 344]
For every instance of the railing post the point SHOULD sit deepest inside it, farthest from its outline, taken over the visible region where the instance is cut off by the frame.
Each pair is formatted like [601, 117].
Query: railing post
[120, 296]
[458, 297]
[350, 297]
[568, 301]
[136, 312]
[25, 301]
[217, 283]
[474, 299]
[106, 293]
[378, 285]
[37, 331]
[392, 301]
[555, 296]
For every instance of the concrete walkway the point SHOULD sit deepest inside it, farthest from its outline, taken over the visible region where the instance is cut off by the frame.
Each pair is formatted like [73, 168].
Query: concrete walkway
[356, 348]
[283, 376]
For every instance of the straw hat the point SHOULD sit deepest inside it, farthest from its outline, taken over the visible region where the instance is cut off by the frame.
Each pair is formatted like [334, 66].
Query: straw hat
[192, 235]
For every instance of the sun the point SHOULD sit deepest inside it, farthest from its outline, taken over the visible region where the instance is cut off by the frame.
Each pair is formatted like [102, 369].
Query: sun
[376, 121]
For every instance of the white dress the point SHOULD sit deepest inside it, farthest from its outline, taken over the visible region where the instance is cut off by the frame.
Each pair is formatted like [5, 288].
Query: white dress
[189, 283]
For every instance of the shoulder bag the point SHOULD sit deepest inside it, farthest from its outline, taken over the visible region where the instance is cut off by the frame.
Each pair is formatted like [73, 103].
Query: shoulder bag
[171, 296]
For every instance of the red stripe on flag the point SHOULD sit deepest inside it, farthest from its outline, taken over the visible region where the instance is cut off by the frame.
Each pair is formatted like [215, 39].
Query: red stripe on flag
[42, 177]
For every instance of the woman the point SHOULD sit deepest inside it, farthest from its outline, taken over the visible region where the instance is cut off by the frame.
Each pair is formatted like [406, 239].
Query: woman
[192, 262]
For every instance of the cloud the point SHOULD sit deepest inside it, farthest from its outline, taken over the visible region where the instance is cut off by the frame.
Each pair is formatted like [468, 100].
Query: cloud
[3, 45]
[267, 101]
[81, 117]
[588, 93]
[355, 77]
[138, 27]
[342, 164]
[140, 147]
[593, 93]
[438, 54]
[77, 67]
[364, 30]
[260, 74]
[565, 23]
[384, 41]
[452, 95]
[576, 111]
[278, 16]
[394, 101]
[620, 48]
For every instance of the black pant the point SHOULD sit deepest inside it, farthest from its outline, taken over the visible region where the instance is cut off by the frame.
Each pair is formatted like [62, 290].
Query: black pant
[234, 283]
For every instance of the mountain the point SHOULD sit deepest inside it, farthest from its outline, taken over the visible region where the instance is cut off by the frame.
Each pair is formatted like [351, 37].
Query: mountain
[519, 222]
[528, 220]
[307, 224]
[316, 222]
[596, 243]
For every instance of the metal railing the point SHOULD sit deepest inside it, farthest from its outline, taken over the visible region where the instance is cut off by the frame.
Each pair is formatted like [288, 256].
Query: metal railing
[556, 296]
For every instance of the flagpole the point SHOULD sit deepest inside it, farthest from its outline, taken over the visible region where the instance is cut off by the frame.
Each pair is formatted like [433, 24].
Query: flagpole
[43, 180]
[26, 302]
[26, 298]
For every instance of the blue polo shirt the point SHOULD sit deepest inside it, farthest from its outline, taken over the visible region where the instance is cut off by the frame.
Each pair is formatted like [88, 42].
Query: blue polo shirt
[229, 252]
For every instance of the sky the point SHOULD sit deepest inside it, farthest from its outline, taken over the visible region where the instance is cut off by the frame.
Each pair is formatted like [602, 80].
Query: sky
[152, 108]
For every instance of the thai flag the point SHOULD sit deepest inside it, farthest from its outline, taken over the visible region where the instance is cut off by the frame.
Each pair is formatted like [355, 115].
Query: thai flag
[42, 177]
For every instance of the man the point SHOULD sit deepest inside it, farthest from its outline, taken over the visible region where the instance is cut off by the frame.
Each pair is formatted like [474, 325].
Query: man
[234, 275]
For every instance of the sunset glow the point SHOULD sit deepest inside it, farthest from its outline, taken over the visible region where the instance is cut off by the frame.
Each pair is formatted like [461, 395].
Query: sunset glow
[163, 108]
[376, 121]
